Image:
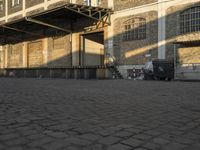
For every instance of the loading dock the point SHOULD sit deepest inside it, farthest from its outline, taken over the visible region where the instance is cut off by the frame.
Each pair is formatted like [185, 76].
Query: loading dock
[92, 47]
[35, 54]
[15, 55]
[51, 41]
[187, 60]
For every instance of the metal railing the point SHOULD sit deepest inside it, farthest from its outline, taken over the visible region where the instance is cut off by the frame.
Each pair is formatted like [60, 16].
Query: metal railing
[111, 60]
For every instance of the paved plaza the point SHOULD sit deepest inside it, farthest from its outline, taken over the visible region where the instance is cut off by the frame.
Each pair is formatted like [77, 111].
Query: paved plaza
[46, 114]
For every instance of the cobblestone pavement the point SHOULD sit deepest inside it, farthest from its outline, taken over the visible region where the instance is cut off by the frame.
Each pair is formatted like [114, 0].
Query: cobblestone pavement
[99, 115]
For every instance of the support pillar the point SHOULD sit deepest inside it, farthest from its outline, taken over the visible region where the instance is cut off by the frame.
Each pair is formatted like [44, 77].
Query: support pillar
[6, 56]
[45, 52]
[6, 10]
[25, 55]
[161, 30]
[1, 57]
[24, 7]
[75, 49]
[108, 37]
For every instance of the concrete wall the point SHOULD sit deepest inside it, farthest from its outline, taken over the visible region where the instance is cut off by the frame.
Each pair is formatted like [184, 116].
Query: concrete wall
[59, 51]
[126, 4]
[57, 4]
[1, 57]
[2, 12]
[103, 3]
[15, 55]
[30, 3]
[14, 9]
[38, 53]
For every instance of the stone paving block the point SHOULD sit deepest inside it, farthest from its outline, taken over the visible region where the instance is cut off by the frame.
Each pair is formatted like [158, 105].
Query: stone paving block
[152, 133]
[82, 113]
[114, 129]
[22, 120]
[1, 146]
[105, 132]
[28, 132]
[61, 127]
[90, 136]
[36, 136]
[125, 126]
[40, 142]
[119, 147]
[160, 141]
[55, 145]
[17, 125]
[71, 148]
[133, 130]
[14, 148]
[95, 147]
[56, 134]
[174, 146]
[151, 146]
[10, 136]
[140, 148]
[192, 136]
[132, 142]
[34, 148]
[17, 141]
[182, 140]
[77, 141]
[143, 136]
[109, 140]
[81, 130]
[123, 134]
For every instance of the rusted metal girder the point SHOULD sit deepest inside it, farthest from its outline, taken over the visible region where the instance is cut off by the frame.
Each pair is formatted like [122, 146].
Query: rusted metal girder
[47, 24]
[101, 15]
[20, 30]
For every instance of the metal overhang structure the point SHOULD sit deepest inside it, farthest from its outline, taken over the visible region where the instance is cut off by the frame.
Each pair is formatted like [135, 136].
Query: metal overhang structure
[68, 11]
[21, 30]
[101, 15]
[47, 24]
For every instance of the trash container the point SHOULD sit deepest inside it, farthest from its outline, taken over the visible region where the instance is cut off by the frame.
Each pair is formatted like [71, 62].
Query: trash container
[148, 71]
[163, 69]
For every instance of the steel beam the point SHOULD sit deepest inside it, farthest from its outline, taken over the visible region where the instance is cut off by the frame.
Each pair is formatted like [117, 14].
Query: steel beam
[20, 30]
[88, 13]
[47, 24]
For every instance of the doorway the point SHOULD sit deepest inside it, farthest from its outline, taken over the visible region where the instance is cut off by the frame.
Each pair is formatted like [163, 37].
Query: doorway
[92, 49]
[35, 54]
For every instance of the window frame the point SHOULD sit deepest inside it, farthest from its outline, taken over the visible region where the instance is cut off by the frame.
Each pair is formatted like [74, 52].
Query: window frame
[15, 3]
[190, 20]
[1, 5]
[135, 29]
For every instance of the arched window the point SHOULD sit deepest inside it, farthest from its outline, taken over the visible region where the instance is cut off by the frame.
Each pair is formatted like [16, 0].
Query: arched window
[190, 20]
[134, 29]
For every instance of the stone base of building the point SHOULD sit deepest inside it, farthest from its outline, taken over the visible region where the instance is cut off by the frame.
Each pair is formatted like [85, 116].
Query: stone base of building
[67, 73]
[130, 70]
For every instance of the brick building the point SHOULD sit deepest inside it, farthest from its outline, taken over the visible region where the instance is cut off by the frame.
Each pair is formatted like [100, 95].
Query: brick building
[52, 37]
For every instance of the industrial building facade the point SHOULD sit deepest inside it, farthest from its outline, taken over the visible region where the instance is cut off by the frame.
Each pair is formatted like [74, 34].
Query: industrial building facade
[82, 35]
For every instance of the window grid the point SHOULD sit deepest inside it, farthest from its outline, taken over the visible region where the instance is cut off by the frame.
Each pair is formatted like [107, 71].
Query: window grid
[135, 29]
[14, 3]
[1, 5]
[190, 20]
